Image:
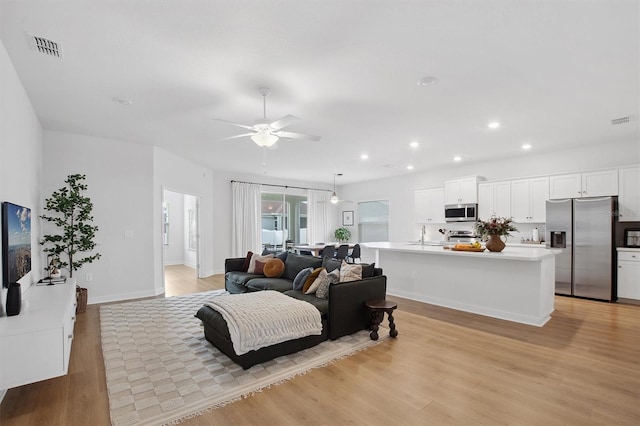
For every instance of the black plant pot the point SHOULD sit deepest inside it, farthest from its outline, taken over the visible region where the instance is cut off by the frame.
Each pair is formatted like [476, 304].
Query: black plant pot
[14, 299]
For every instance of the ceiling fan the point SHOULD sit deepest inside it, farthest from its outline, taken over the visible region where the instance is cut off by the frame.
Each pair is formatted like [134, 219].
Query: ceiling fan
[265, 133]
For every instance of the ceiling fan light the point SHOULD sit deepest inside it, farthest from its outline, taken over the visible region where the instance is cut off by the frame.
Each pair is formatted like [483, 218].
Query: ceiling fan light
[264, 139]
[334, 198]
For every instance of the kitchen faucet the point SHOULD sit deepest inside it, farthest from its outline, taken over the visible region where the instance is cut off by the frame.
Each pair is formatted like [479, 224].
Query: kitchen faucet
[422, 234]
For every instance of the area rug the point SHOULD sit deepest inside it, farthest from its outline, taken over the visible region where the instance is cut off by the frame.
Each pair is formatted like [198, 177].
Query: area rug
[161, 370]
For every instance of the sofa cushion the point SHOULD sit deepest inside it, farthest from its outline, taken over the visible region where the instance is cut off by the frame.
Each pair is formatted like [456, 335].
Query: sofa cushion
[239, 278]
[323, 289]
[297, 262]
[367, 269]
[350, 272]
[264, 283]
[256, 257]
[311, 279]
[301, 278]
[274, 268]
[247, 260]
[331, 264]
[321, 305]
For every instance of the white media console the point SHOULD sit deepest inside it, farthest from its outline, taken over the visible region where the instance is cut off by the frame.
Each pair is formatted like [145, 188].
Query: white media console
[35, 345]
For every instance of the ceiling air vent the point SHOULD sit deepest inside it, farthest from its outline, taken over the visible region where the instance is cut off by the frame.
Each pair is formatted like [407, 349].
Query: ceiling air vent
[621, 120]
[46, 46]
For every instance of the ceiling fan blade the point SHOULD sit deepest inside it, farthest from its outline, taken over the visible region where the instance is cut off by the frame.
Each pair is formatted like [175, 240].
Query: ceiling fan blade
[285, 121]
[244, 126]
[237, 136]
[291, 135]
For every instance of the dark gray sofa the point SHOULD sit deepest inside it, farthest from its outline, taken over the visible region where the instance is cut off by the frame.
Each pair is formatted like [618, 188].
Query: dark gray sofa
[343, 313]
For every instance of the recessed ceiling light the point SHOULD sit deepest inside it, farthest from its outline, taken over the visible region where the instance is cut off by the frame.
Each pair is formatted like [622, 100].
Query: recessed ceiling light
[414, 144]
[526, 146]
[427, 81]
[409, 167]
[493, 125]
[457, 158]
[364, 156]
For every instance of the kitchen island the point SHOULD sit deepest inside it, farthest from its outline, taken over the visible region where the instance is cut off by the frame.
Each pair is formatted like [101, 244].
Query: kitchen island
[517, 284]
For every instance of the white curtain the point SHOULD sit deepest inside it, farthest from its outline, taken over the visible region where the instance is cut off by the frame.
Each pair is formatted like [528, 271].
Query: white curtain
[247, 220]
[317, 216]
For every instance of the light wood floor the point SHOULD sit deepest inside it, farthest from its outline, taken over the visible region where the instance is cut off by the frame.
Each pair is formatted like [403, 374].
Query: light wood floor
[445, 367]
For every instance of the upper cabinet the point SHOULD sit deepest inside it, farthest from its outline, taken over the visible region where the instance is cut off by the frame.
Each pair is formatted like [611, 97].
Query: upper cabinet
[629, 196]
[494, 199]
[429, 205]
[578, 185]
[461, 191]
[528, 199]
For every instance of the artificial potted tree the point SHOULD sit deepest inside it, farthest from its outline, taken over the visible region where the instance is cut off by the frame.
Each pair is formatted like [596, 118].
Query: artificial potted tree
[71, 214]
[342, 234]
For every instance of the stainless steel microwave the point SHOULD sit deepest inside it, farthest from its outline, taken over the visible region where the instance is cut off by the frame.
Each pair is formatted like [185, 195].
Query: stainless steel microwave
[461, 212]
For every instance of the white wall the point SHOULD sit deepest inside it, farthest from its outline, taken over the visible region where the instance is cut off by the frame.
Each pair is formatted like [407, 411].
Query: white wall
[119, 179]
[174, 251]
[190, 257]
[21, 165]
[400, 190]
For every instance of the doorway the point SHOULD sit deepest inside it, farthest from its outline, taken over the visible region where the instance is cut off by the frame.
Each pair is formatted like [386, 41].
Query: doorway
[180, 242]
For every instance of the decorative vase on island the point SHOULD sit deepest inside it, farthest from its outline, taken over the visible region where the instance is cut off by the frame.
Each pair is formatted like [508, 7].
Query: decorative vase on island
[495, 243]
[14, 299]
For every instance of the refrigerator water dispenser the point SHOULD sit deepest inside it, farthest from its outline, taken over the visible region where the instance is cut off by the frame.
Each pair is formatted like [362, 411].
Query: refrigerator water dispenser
[558, 239]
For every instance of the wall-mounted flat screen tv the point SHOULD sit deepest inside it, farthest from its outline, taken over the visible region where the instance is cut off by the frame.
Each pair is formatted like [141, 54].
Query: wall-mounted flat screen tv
[16, 242]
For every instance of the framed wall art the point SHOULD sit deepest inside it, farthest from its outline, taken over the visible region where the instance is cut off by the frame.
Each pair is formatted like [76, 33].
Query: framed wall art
[347, 218]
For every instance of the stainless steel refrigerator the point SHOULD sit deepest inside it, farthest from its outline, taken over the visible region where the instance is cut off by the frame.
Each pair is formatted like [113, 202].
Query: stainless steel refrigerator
[584, 229]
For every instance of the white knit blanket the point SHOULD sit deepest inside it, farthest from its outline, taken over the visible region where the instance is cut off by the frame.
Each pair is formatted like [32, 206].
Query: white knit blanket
[265, 318]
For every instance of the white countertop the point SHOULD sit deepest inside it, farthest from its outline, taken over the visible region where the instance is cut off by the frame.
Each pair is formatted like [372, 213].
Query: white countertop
[511, 252]
[630, 249]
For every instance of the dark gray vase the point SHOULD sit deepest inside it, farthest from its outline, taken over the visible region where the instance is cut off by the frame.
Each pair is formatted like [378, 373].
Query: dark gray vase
[14, 299]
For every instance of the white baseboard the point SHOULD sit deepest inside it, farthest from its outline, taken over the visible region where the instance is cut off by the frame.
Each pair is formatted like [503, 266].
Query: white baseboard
[121, 297]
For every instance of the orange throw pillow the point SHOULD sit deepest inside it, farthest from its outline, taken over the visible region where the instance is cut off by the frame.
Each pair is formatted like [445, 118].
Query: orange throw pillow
[273, 268]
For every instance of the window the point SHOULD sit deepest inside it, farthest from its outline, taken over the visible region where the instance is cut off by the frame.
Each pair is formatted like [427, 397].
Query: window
[284, 219]
[373, 221]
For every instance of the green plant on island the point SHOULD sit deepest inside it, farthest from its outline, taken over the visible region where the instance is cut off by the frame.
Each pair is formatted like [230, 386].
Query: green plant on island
[342, 234]
[71, 214]
[501, 226]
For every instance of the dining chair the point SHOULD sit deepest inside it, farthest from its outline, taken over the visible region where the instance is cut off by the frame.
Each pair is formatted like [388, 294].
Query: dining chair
[343, 251]
[355, 254]
[328, 251]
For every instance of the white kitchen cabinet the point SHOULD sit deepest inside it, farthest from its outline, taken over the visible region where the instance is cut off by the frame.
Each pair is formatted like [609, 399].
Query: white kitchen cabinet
[629, 194]
[35, 344]
[461, 191]
[528, 199]
[494, 198]
[588, 184]
[629, 273]
[429, 205]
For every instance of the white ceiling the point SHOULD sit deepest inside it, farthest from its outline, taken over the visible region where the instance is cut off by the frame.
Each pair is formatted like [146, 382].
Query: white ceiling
[554, 73]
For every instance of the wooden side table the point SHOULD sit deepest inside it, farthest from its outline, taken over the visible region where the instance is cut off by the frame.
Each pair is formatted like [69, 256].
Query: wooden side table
[377, 308]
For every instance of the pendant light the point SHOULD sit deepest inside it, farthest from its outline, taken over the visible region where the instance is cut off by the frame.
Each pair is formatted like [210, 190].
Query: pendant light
[334, 197]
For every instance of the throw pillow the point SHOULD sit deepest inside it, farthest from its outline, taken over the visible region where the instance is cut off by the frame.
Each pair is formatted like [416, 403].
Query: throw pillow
[247, 260]
[323, 289]
[367, 270]
[302, 276]
[257, 257]
[322, 276]
[311, 279]
[259, 268]
[274, 268]
[330, 264]
[349, 272]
